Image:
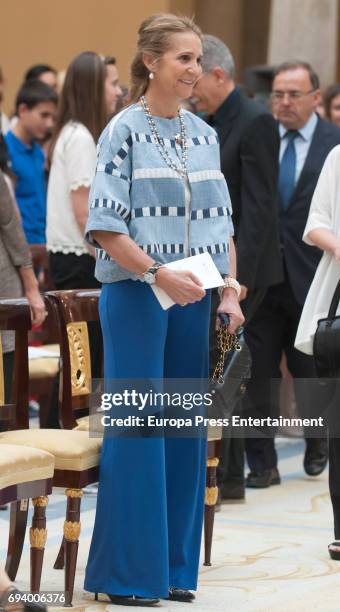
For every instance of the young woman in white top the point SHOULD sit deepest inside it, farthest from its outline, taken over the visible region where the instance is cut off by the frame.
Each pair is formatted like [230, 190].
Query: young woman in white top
[87, 98]
[323, 231]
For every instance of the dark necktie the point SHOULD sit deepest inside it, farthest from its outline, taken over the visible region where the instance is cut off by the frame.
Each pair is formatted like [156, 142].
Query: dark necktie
[287, 170]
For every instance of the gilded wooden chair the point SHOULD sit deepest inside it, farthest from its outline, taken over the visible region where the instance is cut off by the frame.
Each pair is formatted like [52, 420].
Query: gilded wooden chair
[76, 455]
[24, 473]
[76, 310]
[211, 489]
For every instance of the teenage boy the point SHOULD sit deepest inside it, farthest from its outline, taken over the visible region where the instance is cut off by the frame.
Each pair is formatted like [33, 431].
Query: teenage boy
[35, 108]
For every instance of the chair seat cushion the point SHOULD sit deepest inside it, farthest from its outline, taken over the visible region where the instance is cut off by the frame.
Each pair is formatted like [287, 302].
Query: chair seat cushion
[73, 450]
[215, 433]
[19, 464]
[45, 366]
[83, 424]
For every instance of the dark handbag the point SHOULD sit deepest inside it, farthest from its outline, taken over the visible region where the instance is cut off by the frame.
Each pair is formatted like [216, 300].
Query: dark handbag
[326, 345]
[232, 370]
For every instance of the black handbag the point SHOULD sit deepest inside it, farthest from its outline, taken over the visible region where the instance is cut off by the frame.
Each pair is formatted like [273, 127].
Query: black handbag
[326, 345]
[232, 371]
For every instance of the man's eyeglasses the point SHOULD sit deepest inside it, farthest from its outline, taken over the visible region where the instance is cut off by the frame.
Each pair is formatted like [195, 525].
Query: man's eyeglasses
[292, 95]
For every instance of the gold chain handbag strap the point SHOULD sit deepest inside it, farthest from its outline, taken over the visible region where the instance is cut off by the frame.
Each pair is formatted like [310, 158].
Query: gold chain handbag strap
[226, 342]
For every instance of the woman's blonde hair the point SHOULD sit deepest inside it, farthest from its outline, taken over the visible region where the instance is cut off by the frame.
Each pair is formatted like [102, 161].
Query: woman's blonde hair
[153, 38]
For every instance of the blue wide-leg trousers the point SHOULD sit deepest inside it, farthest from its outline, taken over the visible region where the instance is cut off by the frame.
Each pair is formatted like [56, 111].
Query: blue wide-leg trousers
[149, 516]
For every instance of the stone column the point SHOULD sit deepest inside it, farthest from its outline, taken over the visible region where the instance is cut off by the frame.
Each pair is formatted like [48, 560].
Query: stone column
[305, 30]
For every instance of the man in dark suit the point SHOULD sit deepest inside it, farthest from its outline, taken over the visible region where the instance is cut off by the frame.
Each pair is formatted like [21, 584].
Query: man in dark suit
[249, 161]
[306, 140]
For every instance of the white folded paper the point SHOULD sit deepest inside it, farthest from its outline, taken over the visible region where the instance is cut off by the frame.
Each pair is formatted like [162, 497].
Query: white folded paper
[202, 266]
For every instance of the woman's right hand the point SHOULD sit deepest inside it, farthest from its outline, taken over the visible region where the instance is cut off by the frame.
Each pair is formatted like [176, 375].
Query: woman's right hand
[183, 287]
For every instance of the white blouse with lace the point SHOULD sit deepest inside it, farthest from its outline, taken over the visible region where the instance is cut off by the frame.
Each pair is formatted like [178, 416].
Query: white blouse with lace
[73, 166]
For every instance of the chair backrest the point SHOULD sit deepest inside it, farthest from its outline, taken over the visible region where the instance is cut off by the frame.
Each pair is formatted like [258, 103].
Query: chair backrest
[15, 316]
[75, 309]
[2, 379]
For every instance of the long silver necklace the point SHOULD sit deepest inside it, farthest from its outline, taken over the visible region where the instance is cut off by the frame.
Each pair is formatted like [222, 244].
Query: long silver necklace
[181, 139]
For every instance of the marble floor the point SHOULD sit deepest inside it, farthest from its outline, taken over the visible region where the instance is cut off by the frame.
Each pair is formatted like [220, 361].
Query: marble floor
[269, 554]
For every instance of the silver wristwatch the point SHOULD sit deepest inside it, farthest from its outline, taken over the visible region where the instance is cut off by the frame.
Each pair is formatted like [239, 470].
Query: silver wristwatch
[150, 275]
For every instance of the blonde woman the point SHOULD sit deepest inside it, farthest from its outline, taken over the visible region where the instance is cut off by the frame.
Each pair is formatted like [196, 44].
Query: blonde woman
[158, 196]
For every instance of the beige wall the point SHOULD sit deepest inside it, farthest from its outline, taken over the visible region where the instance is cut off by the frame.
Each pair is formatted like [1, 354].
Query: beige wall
[222, 18]
[37, 31]
[183, 7]
[256, 22]
[242, 24]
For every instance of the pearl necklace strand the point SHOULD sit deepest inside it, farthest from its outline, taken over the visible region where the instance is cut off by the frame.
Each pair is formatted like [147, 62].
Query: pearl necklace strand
[183, 169]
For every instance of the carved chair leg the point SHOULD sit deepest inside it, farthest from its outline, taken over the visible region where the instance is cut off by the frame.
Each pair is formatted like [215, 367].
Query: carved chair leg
[71, 535]
[211, 493]
[38, 535]
[17, 530]
[60, 560]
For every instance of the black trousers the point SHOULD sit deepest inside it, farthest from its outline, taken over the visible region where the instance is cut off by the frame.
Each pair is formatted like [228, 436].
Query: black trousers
[73, 271]
[76, 272]
[272, 331]
[334, 454]
[334, 481]
[230, 471]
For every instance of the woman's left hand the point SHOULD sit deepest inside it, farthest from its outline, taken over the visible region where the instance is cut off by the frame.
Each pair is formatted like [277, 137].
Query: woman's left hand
[230, 305]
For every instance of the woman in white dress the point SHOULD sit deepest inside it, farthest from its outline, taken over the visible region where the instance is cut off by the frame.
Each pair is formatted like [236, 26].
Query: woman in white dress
[323, 231]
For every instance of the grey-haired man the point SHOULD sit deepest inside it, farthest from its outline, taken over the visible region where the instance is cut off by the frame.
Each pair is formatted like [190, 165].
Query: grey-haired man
[249, 144]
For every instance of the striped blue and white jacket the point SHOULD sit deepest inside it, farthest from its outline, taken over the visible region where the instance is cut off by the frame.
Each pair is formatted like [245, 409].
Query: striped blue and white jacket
[134, 192]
